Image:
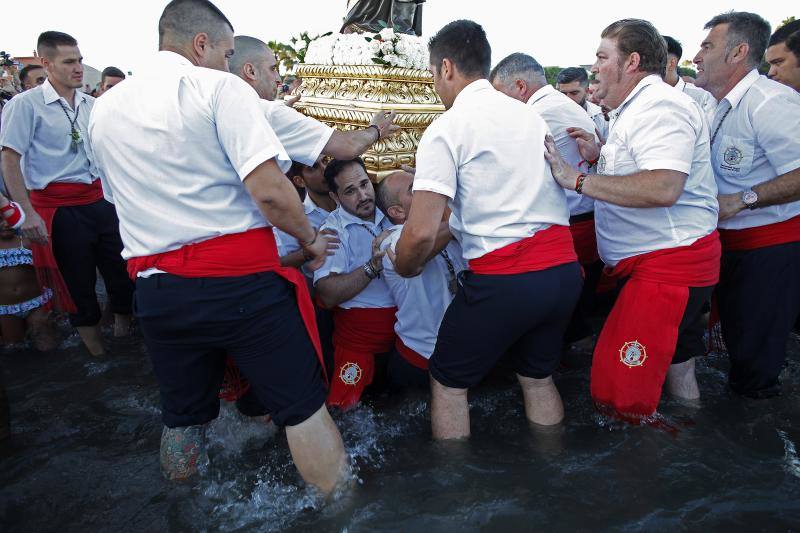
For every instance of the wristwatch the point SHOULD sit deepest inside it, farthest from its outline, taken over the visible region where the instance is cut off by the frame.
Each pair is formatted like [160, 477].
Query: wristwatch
[750, 198]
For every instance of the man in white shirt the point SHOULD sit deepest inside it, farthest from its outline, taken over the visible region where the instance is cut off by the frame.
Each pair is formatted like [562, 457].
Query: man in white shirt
[755, 151]
[783, 55]
[71, 227]
[655, 214]
[574, 82]
[195, 219]
[511, 219]
[351, 284]
[421, 300]
[521, 77]
[702, 97]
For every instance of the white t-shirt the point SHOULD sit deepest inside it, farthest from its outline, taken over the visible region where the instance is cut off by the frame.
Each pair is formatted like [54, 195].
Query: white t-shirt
[174, 144]
[758, 140]
[560, 112]
[486, 154]
[422, 300]
[655, 128]
[706, 100]
[35, 125]
[302, 137]
[355, 249]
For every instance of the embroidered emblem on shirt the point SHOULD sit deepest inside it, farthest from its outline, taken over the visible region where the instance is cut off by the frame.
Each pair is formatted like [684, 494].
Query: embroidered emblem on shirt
[350, 373]
[732, 156]
[601, 164]
[632, 353]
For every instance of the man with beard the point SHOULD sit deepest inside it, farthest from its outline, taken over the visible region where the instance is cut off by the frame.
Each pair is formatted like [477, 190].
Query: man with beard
[704, 98]
[783, 55]
[655, 214]
[755, 151]
[574, 82]
[350, 282]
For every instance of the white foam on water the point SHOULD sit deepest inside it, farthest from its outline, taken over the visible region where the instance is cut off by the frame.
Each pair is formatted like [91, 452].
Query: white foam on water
[95, 368]
[791, 461]
[231, 433]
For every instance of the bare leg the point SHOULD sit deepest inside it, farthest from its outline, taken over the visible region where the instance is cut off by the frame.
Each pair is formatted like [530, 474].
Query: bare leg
[542, 402]
[682, 382]
[43, 334]
[183, 450]
[449, 412]
[318, 451]
[122, 325]
[92, 340]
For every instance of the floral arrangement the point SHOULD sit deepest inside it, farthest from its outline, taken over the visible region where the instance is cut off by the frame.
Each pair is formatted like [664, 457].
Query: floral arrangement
[385, 48]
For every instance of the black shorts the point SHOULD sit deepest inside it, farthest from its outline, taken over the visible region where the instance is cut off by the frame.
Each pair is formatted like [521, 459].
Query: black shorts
[523, 314]
[190, 324]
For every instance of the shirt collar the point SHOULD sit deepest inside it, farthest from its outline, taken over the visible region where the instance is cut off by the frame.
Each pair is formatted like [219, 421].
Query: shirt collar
[474, 87]
[174, 57]
[681, 85]
[644, 82]
[310, 206]
[349, 219]
[737, 93]
[50, 95]
[543, 91]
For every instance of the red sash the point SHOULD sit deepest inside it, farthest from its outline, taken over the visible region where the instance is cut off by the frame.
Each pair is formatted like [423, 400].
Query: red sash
[585, 239]
[46, 201]
[236, 254]
[412, 357]
[739, 240]
[545, 249]
[358, 334]
[638, 341]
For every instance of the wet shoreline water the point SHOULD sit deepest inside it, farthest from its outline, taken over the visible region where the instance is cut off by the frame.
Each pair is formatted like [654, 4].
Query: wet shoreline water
[85, 435]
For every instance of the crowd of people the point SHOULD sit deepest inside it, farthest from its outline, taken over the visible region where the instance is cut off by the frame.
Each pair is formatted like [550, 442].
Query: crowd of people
[248, 236]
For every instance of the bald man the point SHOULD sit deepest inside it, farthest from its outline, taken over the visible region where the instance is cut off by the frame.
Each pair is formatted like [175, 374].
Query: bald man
[421, 300]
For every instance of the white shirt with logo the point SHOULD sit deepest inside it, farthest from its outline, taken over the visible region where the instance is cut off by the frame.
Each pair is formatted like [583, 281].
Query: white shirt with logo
[486, 154]
[422, 300]
[657, 128]
[356, 236]
[37, 125]
[175, 143]
[759, 139]
[560, 112]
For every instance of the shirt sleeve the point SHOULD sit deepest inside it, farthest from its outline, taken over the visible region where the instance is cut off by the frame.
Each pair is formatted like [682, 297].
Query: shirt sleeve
[286, 243]
[243, 131]
[780, 142]
[663, 136]
[437, 170]
[336, 263]
[302, 137]
[16, 126]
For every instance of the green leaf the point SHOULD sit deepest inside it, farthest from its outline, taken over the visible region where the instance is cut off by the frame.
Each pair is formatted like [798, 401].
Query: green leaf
[381, 62]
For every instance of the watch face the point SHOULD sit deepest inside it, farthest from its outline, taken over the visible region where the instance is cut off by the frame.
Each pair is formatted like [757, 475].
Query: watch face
[749, 197]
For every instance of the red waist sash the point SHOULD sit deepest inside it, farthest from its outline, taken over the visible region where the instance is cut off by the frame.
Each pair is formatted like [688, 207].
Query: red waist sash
[739, 240]
[545, 249]
[585, 239]
[411, 356]
[46, 202]
[358, 334]
[236, 254]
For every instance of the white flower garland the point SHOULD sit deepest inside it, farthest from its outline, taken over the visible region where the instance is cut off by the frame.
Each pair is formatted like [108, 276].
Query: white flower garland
[384, 48]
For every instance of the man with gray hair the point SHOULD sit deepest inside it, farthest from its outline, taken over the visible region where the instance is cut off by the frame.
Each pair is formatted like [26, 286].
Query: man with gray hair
[755, 152]
[521, 77]
[195, 219]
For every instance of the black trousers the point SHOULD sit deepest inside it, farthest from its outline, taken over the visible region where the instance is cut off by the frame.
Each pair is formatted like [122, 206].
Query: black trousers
[190, 325]
[86, 239]
[759, 300]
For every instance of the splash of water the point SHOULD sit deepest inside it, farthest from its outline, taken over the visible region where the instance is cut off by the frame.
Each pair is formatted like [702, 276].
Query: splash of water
[791, 461]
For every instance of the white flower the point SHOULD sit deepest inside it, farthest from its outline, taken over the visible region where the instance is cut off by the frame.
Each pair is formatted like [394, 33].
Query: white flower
[387, 47]
[387, 34]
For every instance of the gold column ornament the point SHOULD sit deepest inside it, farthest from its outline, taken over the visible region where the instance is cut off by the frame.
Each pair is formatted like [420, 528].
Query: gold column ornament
[346, 97]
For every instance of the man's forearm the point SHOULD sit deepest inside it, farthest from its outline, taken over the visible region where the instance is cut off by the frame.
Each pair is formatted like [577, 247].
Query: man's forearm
[350, 144]
[780, 190]
[15, 181]
[294, 259]
[337, 288]
[647, 188]
[413, 250]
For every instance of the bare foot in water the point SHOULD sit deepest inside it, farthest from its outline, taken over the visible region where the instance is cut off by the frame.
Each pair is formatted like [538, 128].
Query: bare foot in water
[682, 383]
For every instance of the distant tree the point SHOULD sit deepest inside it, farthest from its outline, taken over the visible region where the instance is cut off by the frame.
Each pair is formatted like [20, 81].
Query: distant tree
[684, 71]
[289, 55]
[786, 21]
[551, 73]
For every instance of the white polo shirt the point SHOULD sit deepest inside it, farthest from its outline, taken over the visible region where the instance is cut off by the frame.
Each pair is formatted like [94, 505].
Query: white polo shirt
[656, 127]
[35, 125]
[422, 300]
[355, 249]
[759, 139]
[560, 113]
[174, 144]
[706, 100]
[316, 216]
[486, 154]
[302, 137]
[595, 113]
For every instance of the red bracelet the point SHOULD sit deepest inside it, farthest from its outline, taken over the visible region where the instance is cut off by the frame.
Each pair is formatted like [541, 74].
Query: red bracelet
[579, 183]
